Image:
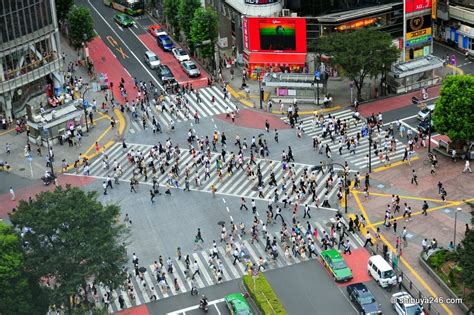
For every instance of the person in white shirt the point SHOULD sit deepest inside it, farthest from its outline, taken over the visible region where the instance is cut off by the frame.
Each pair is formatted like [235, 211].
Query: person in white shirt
[467, 167]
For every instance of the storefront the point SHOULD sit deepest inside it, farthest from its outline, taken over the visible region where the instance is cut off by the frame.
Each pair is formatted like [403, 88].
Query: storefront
[274, 45]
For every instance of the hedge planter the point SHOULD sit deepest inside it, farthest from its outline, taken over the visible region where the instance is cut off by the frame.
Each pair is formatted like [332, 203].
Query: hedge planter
[263, 295]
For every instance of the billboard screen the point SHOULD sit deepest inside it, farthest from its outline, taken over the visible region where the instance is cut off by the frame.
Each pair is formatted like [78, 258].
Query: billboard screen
[417, 5]
[277, 36]
[274, 34]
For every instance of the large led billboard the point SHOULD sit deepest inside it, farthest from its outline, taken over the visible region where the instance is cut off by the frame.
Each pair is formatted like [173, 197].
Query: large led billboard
[274, 34]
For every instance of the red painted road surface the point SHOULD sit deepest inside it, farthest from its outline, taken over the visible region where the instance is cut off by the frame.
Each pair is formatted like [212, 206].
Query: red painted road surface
[168, 59]
[24, 193]
[137, 310]
[106, 62]
[251, 119]
[358, 263]
[392, 103]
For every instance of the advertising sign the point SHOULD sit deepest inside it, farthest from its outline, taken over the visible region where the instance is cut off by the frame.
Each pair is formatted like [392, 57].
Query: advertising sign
[418, 23]
[274, 34]
[420, 33]
[417, 5]
[245, 32]
[261, 1]
[419, 40]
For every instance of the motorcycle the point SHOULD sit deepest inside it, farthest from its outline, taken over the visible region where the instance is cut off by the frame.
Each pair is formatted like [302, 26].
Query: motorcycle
[47, 179]
[203, 305]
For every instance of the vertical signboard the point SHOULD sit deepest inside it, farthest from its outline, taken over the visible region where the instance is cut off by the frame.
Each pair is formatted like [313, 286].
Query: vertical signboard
[417, 5]
[245, 31]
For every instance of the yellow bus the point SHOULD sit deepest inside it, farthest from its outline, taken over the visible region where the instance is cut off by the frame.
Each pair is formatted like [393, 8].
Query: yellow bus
[131, 7]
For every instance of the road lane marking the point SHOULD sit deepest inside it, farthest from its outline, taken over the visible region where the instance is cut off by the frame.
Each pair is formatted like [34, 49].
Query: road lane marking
[195, 307]
[383, 168]
[402, 259]
[126, 46]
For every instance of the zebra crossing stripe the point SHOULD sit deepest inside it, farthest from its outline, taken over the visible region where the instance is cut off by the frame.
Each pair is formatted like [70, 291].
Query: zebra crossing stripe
[143, 294]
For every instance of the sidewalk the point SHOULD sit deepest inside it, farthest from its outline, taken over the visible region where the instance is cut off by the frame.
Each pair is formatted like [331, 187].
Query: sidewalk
[99, 131]
[338, 87]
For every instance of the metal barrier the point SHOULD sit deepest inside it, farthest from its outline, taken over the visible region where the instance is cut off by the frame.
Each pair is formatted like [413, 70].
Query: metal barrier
[407, 283]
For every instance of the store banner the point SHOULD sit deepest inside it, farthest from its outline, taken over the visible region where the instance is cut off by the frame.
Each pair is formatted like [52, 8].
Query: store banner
[434, 9]
[245, 31]
[420, 33]
[417, 5]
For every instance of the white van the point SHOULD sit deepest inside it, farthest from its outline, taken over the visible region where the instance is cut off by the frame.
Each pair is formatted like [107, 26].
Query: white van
[381, 271]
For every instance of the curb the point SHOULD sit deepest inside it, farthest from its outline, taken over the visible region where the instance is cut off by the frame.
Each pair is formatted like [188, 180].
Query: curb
[244, 101]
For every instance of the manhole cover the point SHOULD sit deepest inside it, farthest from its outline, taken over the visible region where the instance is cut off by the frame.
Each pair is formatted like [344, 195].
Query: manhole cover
[220, 222]
[21, 169]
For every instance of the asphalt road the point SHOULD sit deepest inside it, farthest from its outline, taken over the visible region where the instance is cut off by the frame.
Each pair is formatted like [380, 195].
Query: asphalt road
[303, 289]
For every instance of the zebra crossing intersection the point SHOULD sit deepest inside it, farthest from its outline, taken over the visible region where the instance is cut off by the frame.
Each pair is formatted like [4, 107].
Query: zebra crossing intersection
[360, 158]
[147, 288]
[205, 108]
[237, 184]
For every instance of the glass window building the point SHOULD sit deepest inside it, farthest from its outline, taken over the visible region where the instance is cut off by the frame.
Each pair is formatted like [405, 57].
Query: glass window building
[30, 57]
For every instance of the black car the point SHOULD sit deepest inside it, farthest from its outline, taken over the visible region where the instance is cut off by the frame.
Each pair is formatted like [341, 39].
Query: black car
[425, 126]
[165, 75]
[363, 299]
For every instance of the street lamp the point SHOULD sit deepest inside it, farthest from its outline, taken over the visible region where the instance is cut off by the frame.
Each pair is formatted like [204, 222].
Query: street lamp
[346, 188]
[84, 105]
[317, 78]
[370, 148]
[429, 132]
[45, 134]
[455, 224]
[258, 72]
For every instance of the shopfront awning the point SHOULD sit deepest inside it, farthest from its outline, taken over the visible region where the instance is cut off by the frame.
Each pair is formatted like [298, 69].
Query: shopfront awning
[277, 59]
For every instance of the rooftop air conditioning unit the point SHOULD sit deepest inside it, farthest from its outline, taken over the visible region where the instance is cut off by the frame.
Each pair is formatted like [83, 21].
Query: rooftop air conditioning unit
[285, 12]
[294, 14]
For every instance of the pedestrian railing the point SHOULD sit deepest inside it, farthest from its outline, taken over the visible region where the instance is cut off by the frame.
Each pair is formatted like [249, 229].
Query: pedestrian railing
[407, 283]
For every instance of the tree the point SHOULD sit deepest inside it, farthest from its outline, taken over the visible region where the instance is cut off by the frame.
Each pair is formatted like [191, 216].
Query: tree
[466, 256]
[74, 239]
[80, 26]
[454, 111]
[17, 296]
[186, 11]
[204, 28]
[360, 53]
[62, 8]
[170, 11]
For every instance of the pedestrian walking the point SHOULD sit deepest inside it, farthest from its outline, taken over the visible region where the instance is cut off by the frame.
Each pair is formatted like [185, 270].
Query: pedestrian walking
[152, 196]
[12, 193]
[347, 247]
[368, 239]
[425, 208]
[404, 236]
[467, 167]
[243, 204]
[414, 177]
[104, 186]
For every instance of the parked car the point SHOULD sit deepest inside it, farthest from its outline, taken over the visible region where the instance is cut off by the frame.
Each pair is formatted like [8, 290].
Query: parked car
[363, 299]
[191, 69]
[165, 75]
[180, 54]
[151, 59]
[123, 20]
[404, 304]
[336, 264]
[154, 30]
[164, 41]
[237, 304]
[425, 112]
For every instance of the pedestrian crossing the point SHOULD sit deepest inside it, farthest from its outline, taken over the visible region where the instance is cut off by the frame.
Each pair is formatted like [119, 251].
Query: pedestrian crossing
[360, 158]
[146, 287]
[211, 102]
[236, 184]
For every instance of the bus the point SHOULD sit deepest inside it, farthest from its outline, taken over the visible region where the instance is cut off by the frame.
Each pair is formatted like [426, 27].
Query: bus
[131, 7]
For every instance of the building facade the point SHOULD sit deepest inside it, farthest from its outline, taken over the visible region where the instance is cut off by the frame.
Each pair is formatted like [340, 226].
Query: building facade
[454, 23]
[30, 56]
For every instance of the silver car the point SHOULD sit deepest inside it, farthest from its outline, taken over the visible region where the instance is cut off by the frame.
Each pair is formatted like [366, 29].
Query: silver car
[191, 69]
[151, 59]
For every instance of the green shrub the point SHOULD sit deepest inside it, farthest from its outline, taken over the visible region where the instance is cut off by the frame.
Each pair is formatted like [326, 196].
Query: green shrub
[438, 259]
[263, 295]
